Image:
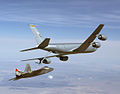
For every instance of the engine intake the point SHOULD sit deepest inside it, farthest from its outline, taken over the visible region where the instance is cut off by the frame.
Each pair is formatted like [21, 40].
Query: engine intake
[102, 37]
[46, 61]
[96, 44]
[63, 58]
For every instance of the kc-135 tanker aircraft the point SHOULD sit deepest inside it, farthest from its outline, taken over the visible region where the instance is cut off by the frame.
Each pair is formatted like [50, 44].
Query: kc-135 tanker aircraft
[62, 50]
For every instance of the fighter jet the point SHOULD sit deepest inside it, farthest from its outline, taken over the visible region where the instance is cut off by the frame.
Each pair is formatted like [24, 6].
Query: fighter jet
[61, 50]
[28, 73]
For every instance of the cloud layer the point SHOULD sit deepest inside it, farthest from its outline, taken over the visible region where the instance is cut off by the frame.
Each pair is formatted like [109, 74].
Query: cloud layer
[67, 12]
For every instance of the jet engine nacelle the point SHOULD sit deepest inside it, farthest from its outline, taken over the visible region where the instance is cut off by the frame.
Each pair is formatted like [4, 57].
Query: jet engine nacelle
[46, 61]
[96, 44]
[102, 37]
[63, 58]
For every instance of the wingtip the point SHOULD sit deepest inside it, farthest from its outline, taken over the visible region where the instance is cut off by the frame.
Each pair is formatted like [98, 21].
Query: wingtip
[11, 79]
[21, 51]
[21, 60]
[102, 24]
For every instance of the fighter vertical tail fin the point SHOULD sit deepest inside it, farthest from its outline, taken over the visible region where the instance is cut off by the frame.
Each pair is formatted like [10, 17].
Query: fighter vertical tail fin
[27, 68]
[37, 35]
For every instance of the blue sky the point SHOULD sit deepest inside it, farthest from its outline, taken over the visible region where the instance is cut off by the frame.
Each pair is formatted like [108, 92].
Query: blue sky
[54, 17]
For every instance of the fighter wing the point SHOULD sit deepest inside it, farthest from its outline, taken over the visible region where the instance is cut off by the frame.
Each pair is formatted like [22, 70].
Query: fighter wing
[14, 79]
[44, 57]
[90, 39]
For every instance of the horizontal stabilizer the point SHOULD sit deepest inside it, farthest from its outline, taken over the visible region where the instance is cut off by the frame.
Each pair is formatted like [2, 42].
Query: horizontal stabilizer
[44, 43]
[29, 49]
[41, 46]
